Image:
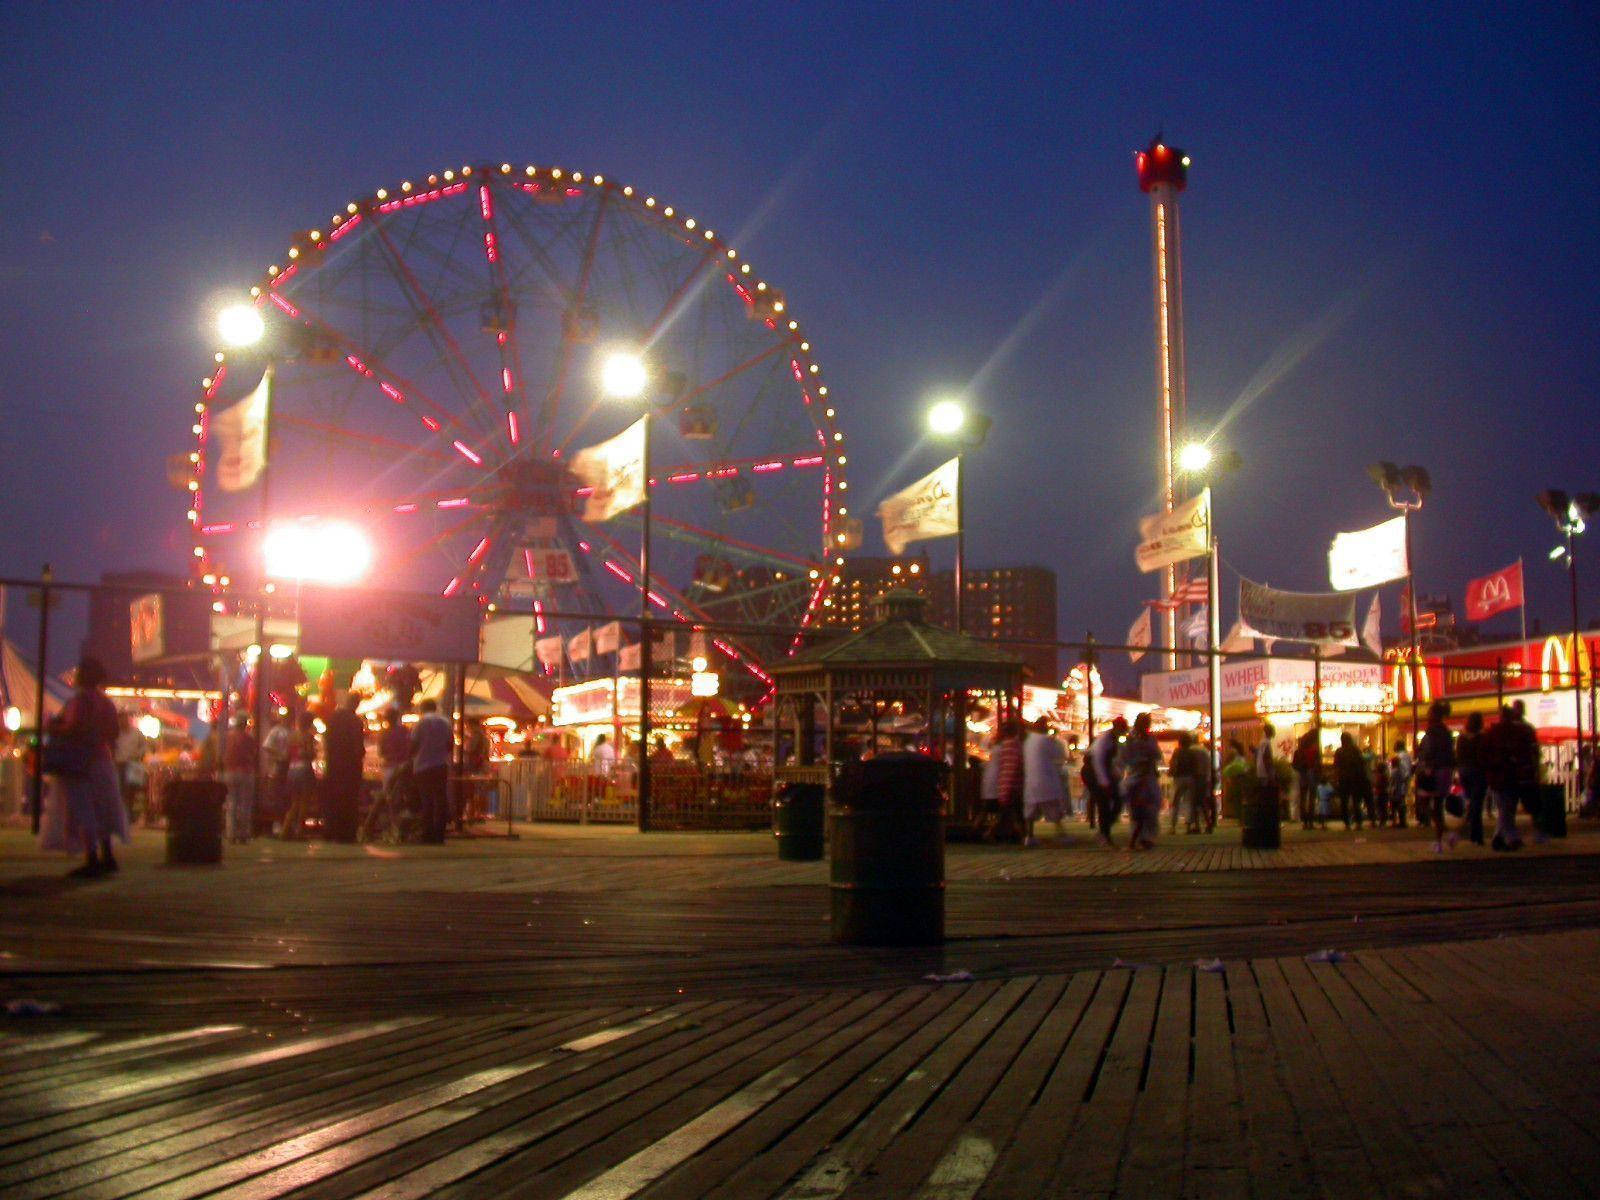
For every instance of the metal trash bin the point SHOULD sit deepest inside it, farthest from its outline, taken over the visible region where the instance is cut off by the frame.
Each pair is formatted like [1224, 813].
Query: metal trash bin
[887, 852]
[1259, 817]
[797, 822]
[1551, 819]
[194, 821]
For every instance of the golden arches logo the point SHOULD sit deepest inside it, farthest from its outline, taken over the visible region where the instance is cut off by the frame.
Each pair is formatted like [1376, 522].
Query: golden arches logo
[1401, 675]
[1557, 660]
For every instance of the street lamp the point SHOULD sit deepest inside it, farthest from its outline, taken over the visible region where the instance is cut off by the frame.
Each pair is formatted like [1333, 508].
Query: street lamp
[1395, 481]
[626, 375]
[949, 420]
[240, 325]
[1199, 460]
[1571, 513]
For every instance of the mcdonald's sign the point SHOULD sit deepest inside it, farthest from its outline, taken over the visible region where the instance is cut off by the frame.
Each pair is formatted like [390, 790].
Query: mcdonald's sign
[1556, 662]
[1429, 675]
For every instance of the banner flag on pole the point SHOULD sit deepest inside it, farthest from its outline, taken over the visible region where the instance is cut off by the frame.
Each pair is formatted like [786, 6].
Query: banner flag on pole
[548, 651]
[579, 647]
[1139, 635]
[1372, 628]
[608, 637]
[1192, 591]
[1368, 557]
[1174, 537]
[241, 433]
[1239, 640]
[1195, 627]
[1496, 593]
[614, 470]
[926, 509]
[628, 657]
[1298, 616]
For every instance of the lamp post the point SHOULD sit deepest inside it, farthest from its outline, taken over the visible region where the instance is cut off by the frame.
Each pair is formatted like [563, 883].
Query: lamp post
[949, 421]
[625, 375]
[1570, 513]
[1198, 460]
[1393, 480]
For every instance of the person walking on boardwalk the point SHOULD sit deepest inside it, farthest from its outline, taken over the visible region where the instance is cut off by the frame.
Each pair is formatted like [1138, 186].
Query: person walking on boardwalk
[82, 735]
[1400, 766]
[1190, 770]
[1102, 778]
[1436, 768]
[1352, 780]
[1307, 764]
[1008, 826]
[1267, 791]
[1525, 740]
[1499, 757]
[432, 743]
[239, 775]
[1139, 760]
[1474, 779]
[1044, 792]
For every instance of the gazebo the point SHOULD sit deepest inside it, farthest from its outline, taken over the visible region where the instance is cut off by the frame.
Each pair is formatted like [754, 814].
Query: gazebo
[899, 661]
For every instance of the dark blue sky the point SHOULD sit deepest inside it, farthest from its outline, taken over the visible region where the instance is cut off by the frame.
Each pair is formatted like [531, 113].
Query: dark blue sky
[1390, 241]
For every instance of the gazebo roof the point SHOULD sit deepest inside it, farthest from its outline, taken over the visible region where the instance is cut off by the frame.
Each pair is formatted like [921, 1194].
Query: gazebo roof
[902, 650]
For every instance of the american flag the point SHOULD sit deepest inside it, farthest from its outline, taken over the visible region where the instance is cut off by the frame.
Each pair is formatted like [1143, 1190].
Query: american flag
[1192, 591]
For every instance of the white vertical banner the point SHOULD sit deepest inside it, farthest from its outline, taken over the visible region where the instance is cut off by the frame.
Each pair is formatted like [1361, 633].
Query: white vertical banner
[548, 651]
[1368, 557]
[241, 433]
[628, 657]
[926, 509]
[608, 637]
[1139, 635]
[579, 647]
[614, 471]
[1372, 628]
[1175, 537]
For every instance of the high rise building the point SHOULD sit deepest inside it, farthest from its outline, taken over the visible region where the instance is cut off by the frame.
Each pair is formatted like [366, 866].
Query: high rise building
[865, 577]
[1016, 605]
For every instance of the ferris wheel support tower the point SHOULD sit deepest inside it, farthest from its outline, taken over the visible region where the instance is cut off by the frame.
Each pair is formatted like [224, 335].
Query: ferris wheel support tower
[1163, 173]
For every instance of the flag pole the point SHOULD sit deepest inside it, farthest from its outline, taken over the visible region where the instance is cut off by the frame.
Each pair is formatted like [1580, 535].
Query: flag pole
[1524, 605]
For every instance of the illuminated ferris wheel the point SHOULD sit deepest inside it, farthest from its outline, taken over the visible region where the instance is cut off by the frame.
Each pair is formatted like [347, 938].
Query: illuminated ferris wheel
[436, 354]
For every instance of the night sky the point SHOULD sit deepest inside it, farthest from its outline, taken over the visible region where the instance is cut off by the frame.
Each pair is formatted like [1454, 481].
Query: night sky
[1390, 243]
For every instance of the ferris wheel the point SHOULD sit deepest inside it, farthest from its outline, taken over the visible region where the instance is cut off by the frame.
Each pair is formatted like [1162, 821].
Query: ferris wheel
[436, 353]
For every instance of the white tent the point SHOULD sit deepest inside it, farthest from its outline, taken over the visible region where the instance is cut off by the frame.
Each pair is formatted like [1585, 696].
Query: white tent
[19, 686]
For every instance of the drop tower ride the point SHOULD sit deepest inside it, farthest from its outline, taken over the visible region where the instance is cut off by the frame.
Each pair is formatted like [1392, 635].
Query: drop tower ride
[1163, 172]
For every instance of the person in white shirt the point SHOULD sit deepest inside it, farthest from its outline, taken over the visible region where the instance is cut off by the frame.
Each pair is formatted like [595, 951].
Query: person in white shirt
[604, 757]
[1043, 792]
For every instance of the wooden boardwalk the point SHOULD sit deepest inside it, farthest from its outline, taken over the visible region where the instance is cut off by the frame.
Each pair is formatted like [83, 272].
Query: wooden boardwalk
[594, 1014]
[1458, 1069]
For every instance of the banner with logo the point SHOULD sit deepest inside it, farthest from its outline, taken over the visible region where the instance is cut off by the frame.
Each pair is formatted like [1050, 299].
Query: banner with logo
[1372, 628]
[1298, 616]
[551, 566]
[241, 433]
[1368, 557]
[663, 648]
[614, 470]
[1174, 537]
[1495, 593]
[926, 509]
[1139, 635]
[608, 637]
[579, 647]
[548, 651]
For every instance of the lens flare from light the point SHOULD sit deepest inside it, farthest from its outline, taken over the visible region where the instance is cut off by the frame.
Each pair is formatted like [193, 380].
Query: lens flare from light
[623, 375]
[334, 552]
[947, 417]
[1196, 456]
[240, 325]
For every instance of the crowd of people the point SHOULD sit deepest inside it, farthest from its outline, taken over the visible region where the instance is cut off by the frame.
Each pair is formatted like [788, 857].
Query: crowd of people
[1487, 771]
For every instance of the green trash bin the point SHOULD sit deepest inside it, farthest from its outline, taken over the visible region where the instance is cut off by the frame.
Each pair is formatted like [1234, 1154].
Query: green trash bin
[797, 822]
[1552, 817]
[887, 852]
[1259, 817]
[194, 821]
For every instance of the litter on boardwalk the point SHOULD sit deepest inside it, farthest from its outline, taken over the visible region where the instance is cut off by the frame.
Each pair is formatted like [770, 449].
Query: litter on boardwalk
[31, 1008]
[1327, 956]
[962, 976]
[1213, 965]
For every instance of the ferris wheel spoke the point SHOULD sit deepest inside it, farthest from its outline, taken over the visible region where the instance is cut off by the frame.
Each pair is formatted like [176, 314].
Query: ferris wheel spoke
[512, 379]
[429, 319]
[732, 547]
[438, 421]
[571, 330]
[375, 441]
[440, 536]
[680, 296]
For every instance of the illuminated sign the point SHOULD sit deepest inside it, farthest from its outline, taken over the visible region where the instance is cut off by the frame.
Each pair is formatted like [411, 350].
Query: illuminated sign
[1341, 703]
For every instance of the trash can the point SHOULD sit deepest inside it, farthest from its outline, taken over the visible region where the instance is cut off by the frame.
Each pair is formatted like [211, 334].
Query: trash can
[1552, 816]
[194, 821]
[887, 852]
[797, 822]
[1259, 816]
